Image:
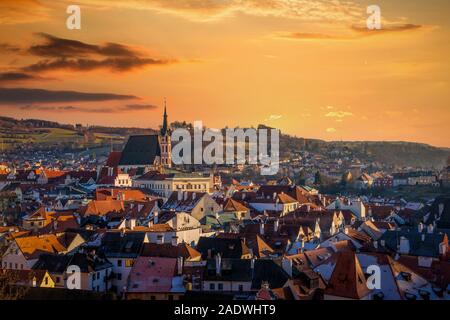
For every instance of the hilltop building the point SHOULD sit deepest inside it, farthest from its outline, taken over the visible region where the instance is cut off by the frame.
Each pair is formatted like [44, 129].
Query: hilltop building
[141, 154]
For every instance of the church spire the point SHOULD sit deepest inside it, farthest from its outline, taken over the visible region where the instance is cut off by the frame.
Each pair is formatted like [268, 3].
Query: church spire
[164, 126]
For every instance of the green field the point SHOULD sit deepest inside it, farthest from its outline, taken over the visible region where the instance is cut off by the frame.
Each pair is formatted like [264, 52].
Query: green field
[51, 136]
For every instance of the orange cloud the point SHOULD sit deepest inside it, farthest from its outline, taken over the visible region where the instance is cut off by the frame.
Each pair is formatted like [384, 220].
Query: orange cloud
[22, 11]
[207, 10]
[358, 32]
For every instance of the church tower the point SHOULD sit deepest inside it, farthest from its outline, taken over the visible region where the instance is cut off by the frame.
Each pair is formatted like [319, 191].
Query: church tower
[165, 142]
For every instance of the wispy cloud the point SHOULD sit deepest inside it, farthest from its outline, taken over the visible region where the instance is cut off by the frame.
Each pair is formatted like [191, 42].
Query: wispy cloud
[22, 11]
[339, 114]
[137, 107]
[331, 130]
[68, 109]
[6, 47]
[211, 10]
[61, 53]
[273, 117]
[13, 77]
[11, 96]
[355, 32]
[389, 28]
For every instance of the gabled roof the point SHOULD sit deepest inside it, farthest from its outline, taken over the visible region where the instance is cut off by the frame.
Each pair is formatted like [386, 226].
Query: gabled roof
[102, 207]
[140, 150]
[34, 246]
[59, 263]
[24, 277]
[187, 203]
[232, 205]
[122, 244]
[39, 214]
[259, 247]
[167, 250]
[126, 194]
[426, 247]
[152, 275]
[228, 248]
[53, 263]
[268, 271]
[295, 192]
[231, 270]
[347, 279]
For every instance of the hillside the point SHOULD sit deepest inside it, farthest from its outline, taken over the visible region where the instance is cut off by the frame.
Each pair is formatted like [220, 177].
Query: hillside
[30, 133]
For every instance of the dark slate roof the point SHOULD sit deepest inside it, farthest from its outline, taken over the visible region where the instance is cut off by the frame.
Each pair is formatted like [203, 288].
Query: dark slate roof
[228, 248]
[53, 263]
[429, 247]
[122, 245]
[268, 271]
[59, 264]
[231, 270]
[140, 150]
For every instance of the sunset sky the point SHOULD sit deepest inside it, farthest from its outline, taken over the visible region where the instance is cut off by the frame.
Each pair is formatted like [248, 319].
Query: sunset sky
[308, 67]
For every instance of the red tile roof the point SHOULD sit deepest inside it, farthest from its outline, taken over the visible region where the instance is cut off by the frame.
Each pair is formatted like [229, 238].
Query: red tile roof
[347, 279]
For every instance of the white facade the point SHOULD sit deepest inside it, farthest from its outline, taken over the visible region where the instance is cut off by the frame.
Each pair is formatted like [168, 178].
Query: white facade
[123, 180]
[170, 184]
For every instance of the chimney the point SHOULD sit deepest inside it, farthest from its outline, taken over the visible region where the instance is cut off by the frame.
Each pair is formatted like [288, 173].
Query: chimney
[430, 228]
[276, 225]
[218, 264]
[180, 195]
[180, 265]
[185, 195]
[261, 228]
[155, 218]
[194, 195]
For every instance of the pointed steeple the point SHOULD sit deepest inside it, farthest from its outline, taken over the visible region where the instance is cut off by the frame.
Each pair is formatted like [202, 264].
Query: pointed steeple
[164, 125]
